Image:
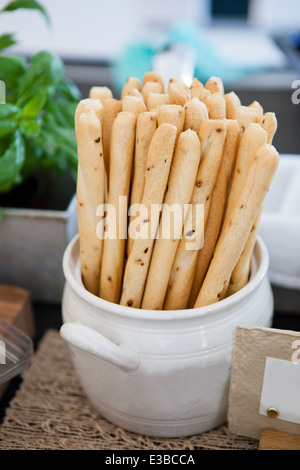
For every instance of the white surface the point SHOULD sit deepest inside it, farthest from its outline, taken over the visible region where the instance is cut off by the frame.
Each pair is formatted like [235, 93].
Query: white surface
[246, 47]
[275, 15]
[281, 389]
[181, 384]
[99, 30]
[280, 224]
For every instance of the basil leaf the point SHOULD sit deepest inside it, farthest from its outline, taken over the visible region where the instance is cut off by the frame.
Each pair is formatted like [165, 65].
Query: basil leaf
[68, 89]
[45, 72]
[30, 127]
[8, 110]
[28, 4]
[35, 105]
[11, 68]
[6, 127]
[11, 163]
[7, 40]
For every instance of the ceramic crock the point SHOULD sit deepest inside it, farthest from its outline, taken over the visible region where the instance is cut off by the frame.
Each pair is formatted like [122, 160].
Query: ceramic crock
[159, 373]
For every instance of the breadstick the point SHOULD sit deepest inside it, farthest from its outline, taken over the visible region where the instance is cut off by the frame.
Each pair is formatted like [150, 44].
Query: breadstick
[217, 207]
[145, 127]
[196, 83]
[100, 93]
[212, 136]
[157, 174]
[236, 231]
[172, 114]
[241, 272]
[133, 105]
[256, 105]
[89, 105]
[131, 83]
[232, 101]
[179, 93]
[199, 91]
[151, 87]
[246, 115]
[269, 123]
[252, 139]
[90, 194]
[211, 234]
[155, 100]
[137, 93]
[195, 113]
[111, 108]
[216, 106]
[215, 85]
[122, 146]
[153, 77]
[180, 187]
[174, 80]
[230, 150]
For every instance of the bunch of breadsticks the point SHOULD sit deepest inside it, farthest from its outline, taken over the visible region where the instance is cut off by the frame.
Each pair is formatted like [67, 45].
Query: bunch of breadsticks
[157, 146]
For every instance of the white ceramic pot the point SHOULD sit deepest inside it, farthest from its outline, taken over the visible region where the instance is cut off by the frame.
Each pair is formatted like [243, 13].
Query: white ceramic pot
[159, 373]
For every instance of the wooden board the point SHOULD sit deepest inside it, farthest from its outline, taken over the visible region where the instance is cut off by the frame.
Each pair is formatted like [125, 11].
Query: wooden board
[16, 309]
[276, 440]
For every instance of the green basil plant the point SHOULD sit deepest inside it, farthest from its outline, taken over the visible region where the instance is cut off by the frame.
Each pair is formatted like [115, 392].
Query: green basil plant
[37, 118]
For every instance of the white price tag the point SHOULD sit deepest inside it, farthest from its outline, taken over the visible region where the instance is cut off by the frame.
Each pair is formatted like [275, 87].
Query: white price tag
[280, 397]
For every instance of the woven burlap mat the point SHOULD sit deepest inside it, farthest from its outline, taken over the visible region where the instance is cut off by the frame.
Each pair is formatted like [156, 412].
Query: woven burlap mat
[50, 411]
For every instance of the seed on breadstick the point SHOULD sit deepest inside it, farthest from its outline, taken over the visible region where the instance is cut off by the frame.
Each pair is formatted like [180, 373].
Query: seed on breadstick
[121, 156]
[215, 85]
[155, 100]
[269, 123]
[216, 106]
[133, 105]
[151, 87]
[90, 194]
[100, 93]
[212, 136]
[236, 230]
[179, 93]
[195, 113]
[252, 139]
[111, 108]
[172, 114]
[217, 207]
[131, 83]
[153, 76]
[145, 127]
[158, 166]
[180, 187]
[211, 234]
[232, 101]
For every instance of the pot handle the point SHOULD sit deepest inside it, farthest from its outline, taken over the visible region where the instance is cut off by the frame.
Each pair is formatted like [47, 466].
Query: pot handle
[89, 340]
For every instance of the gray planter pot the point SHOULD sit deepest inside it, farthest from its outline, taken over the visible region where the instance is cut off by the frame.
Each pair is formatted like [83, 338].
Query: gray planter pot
[32, 243]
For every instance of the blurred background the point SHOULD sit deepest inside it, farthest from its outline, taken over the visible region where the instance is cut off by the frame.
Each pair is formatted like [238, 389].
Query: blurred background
[252, 44]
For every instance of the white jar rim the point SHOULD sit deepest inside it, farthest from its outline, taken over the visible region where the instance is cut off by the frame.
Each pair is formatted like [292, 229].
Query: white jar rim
[71, 261]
